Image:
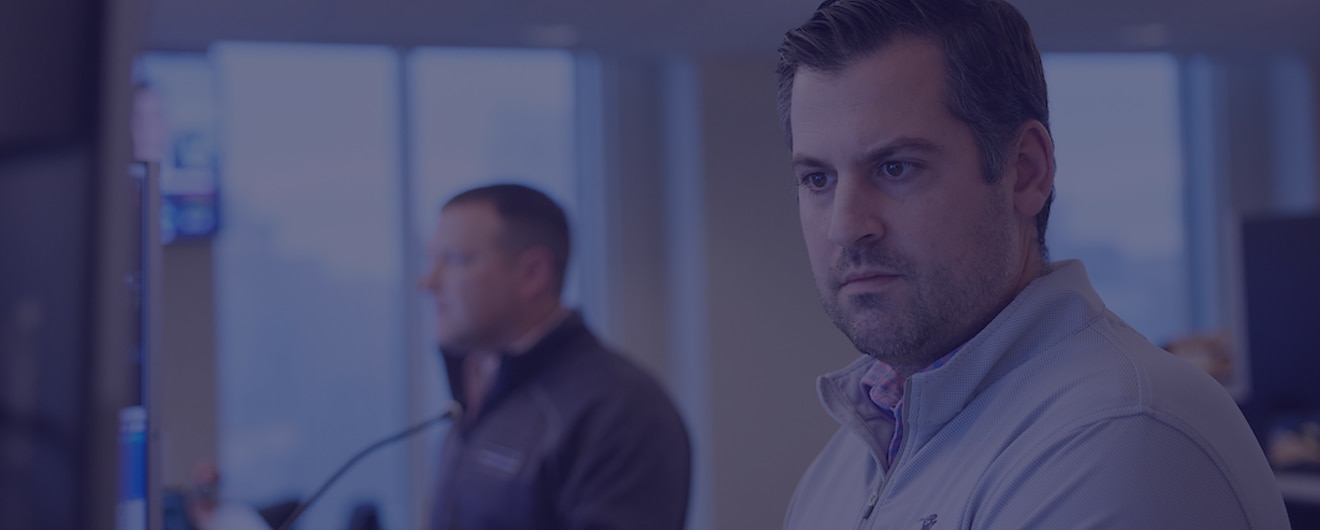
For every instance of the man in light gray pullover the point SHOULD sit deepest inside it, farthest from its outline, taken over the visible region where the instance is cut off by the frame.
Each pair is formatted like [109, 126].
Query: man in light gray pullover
[997, 391]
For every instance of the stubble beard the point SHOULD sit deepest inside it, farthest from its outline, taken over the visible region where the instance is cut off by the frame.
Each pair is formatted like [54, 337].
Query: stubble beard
[931, 310]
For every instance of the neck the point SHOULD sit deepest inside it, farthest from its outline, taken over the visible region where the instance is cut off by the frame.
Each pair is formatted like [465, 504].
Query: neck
[1033, 267]
[1031, 262]
[536, 322]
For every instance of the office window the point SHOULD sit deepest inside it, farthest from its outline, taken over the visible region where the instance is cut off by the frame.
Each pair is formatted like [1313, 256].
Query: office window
[1121, 183]
[336, 160]
[309, 277]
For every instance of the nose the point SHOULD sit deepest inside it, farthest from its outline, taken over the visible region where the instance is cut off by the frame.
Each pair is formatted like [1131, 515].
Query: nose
[855, 211]
[430, 279]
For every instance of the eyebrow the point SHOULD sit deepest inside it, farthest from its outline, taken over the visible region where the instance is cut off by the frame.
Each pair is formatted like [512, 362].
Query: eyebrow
[877, 155]
[901, 145]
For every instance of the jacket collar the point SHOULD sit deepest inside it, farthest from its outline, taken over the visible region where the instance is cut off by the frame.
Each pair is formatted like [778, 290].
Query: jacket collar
[1049, 309]
[515, 370]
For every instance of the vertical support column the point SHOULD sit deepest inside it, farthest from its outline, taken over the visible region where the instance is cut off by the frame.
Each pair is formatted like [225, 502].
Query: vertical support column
[1293, 111]
[420, 472]
[687, 265]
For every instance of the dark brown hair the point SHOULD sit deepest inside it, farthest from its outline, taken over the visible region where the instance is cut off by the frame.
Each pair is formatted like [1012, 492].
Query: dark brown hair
[993, 70]
[530, 217]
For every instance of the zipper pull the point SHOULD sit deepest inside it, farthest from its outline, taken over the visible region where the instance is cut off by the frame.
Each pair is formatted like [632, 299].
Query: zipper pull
[870, 505]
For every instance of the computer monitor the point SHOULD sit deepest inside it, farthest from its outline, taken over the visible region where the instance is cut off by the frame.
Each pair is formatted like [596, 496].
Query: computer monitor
[62, 304]
[1281, 279]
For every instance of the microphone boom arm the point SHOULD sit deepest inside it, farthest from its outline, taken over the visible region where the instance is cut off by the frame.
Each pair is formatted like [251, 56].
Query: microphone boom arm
[454, 410]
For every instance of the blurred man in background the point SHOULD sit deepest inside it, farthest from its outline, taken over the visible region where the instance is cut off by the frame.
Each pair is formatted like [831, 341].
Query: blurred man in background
[557, 432]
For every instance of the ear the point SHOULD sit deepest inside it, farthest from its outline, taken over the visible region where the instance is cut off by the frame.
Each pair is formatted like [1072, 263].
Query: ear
[535, 271]
[1032, 168]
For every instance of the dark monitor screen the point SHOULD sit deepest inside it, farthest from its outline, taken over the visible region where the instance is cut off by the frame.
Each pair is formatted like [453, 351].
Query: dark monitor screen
[48, 60]
[1281, 273]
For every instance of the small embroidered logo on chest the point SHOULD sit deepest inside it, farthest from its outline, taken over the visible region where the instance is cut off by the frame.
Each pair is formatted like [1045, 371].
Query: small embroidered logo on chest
[499, 460]
[929, 522]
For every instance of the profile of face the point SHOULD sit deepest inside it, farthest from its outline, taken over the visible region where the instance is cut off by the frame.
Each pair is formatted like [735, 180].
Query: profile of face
[473, 278]
[912, 249]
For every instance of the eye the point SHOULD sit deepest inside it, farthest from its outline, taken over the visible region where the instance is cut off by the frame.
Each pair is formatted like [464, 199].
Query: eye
[816, 181]
[894, 169]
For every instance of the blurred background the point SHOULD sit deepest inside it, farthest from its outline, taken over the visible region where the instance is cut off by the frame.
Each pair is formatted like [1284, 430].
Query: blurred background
[213, 215]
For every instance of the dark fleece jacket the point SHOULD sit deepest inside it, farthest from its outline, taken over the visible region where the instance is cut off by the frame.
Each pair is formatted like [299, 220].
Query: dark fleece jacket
[571, 437]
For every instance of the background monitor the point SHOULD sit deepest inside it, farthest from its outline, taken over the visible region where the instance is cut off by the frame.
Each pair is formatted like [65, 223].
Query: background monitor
[1281, 272]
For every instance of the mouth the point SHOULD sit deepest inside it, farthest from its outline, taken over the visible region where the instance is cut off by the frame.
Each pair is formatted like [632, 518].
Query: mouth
[868, 279]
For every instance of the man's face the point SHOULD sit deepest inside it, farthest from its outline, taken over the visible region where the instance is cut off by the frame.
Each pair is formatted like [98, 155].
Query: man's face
[912, 250]
[472, 278]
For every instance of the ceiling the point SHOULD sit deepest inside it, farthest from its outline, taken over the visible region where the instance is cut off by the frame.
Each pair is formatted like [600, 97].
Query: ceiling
[709, 26]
